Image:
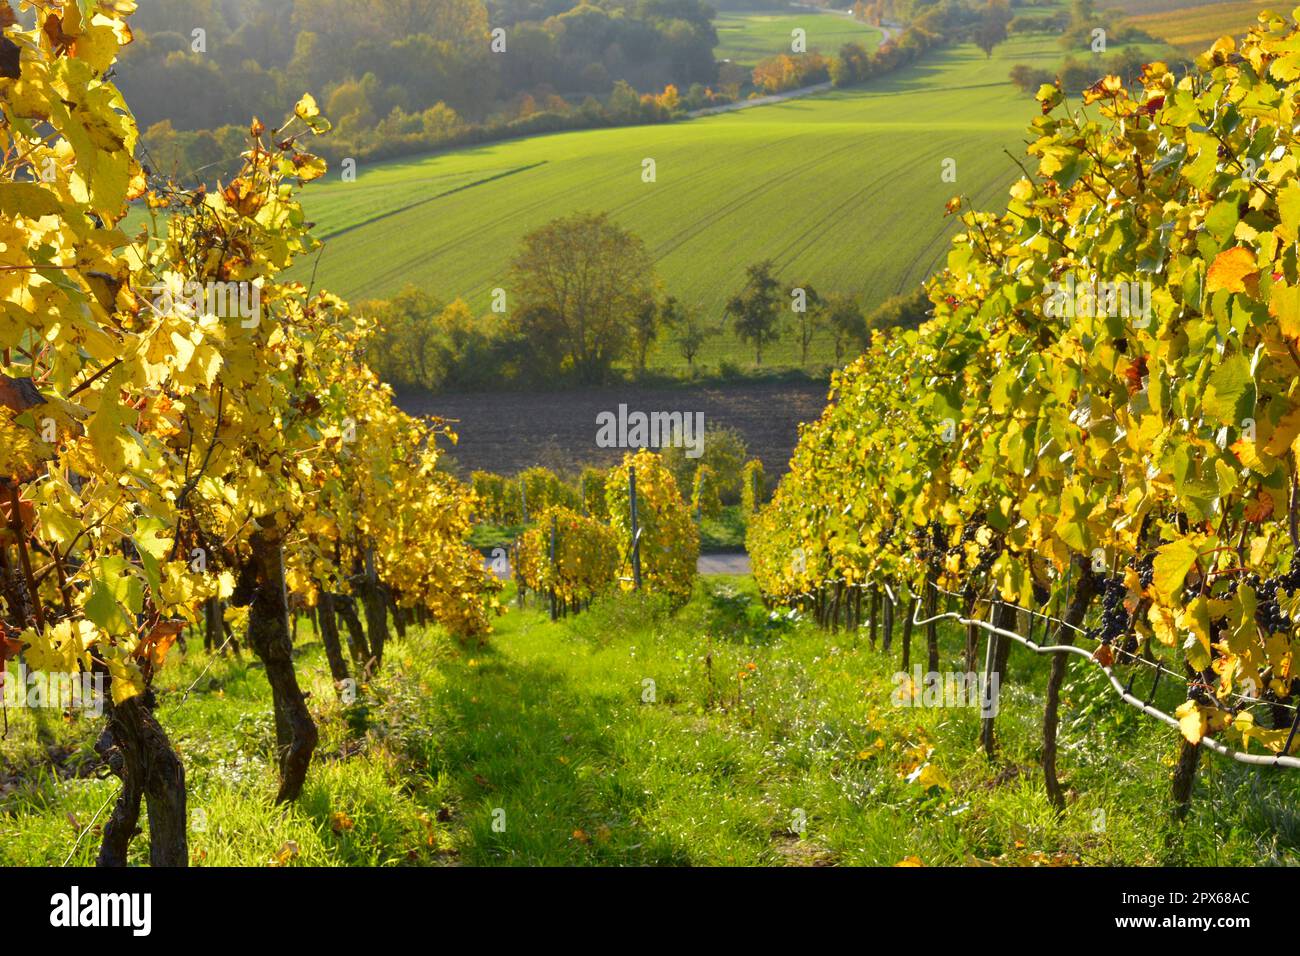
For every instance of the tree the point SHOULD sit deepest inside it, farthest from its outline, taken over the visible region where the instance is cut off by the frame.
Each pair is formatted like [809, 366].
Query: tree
[992, 27]
[809, 319]
[847, 326]
[403, 352]
[645, 329]
[906, 310]
[688, 329]
[584, 279]
[853, 65]
[756, 309]
[725, 452]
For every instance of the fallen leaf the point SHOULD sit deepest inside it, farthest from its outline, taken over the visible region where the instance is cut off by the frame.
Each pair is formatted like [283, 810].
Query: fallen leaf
[287, 851]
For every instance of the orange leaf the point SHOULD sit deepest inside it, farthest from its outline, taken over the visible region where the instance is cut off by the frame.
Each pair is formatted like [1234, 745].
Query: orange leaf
[1258, 509]
[160, 641]
[1231, 270]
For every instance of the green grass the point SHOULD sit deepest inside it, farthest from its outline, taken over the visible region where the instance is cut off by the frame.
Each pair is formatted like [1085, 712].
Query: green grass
[724, 533]
[842, 190]
[552, 724]
[746, 38]
[487, 536]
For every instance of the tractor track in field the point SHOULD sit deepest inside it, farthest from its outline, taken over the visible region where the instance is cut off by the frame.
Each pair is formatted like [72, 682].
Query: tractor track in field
[343, 231]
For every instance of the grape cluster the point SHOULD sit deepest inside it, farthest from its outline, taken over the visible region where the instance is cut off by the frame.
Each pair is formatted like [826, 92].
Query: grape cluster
[1114, 615]
[1268, 612]
[1146, 569]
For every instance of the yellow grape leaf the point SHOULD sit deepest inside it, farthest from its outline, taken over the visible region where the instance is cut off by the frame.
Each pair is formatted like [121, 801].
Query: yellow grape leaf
[1172, 563]
[928, 775]
[1192, 721]
[127, 681]
[1288, 207]
[108, 433]
[29, 200]
[1287, 430]
[306, 107]
[1163, 625]
[1274, 740]
[1231, 269]
[1284, 305]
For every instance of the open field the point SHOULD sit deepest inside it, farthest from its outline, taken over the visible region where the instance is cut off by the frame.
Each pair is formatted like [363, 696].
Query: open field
[1193, 27]
[746, 38]
[804, 761]
[509, 431]
[842, 190]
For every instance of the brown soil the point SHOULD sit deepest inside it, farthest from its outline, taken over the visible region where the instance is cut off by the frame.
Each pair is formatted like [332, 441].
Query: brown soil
[506, 432]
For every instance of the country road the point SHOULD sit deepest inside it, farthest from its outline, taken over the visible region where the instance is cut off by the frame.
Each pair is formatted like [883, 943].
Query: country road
[735, 564]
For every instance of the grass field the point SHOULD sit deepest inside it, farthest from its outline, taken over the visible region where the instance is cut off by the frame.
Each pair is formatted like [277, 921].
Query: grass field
[746, 38]
[842, 190]
[1193, 27]
[802, 761]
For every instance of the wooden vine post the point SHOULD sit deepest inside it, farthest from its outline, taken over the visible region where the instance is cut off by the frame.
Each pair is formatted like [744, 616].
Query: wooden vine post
[636, 531]
[554, 613]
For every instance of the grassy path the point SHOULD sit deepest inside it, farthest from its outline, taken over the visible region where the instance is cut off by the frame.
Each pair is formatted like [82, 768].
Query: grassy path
[717, 735]
[802, 760]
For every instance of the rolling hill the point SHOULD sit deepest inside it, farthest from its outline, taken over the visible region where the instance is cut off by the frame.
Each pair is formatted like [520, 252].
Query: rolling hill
[842, 190]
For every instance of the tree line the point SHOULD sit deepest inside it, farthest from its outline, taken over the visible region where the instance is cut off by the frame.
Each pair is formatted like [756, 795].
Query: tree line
[583, 304]
[401, 77]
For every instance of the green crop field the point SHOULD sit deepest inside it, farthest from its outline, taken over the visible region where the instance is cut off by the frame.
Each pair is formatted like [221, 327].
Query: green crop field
[842, 190]
[747, 38]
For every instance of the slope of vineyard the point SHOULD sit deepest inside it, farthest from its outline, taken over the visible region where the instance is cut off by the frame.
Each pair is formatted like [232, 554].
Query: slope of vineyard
[549, 723]
[1193, 27]
[843, 190]
[1132, 444]
[182, 431]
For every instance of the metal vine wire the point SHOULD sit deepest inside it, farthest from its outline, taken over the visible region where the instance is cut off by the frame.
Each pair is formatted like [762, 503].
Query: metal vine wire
[1275, 760]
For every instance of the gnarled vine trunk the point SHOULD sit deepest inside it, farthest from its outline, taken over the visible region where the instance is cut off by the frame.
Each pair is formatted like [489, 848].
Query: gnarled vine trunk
[138, 751]
[932, 628]
[329, 635]
[1085, 590]
[907, 635]
[346, 607]
[268, 633]
[1185, 776]
[999, 649]
[376, 607]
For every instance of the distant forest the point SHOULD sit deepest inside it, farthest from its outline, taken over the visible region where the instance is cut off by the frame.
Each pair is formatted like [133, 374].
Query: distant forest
[398, 77]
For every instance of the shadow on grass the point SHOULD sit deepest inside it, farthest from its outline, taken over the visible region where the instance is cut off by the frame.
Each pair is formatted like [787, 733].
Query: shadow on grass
[532, 760]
